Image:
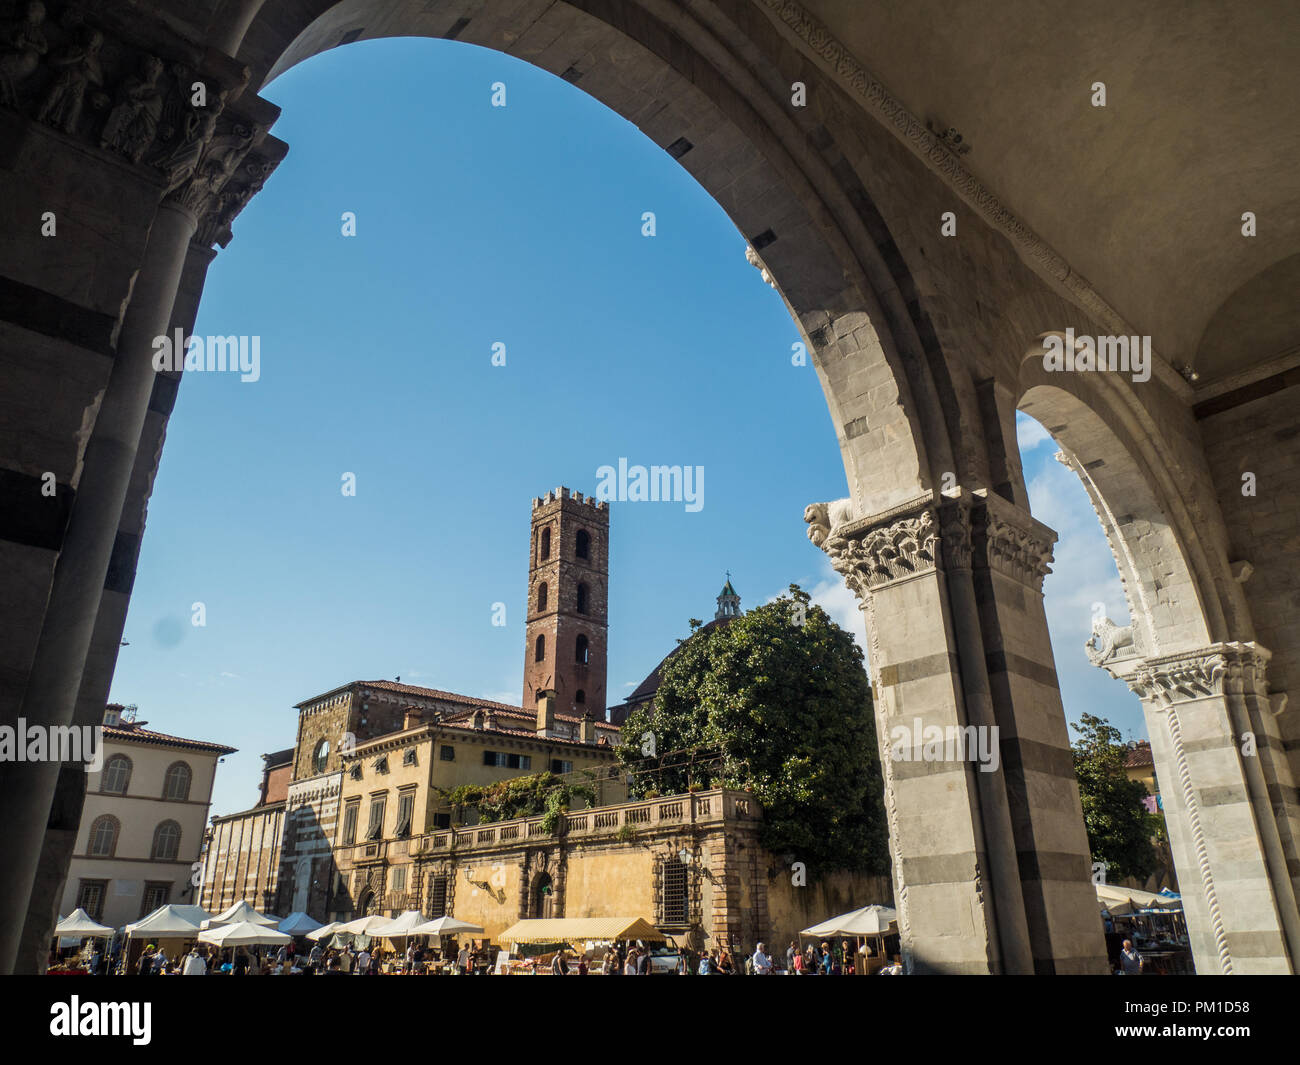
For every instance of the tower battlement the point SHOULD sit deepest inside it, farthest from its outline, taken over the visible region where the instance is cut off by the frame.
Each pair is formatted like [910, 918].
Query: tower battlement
[561, 494]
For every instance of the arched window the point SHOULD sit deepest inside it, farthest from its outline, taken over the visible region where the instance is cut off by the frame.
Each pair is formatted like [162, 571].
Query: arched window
[582, 598]
[541, 596]
[544, 897]
[545, 551]
[166, 842]
[176, 784]
[320, 756]
[581, 697]
[584, 544]
[539, 649]
[117, 775]
[580, 651]
[103, 837]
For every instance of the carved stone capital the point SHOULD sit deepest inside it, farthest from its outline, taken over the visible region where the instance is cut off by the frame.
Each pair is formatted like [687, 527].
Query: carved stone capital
[955, 535]
[1013, 543]
[1220, 669]
[875, 551]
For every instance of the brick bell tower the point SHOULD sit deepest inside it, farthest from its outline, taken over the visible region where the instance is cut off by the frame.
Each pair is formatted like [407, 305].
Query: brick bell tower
[568, 603]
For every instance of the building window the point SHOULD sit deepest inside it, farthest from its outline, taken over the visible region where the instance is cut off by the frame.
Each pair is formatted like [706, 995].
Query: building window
[117, 775]
[539, 648]
[350, 814]
[176, 784]
[156, 895]
[545, 551]
[559, 765]
[375, 829]
[437, 905]
[502, 760]
[584, 544]
[399, 879]
[541, 596]
[103, 838]
[166, 842]
[380, 764]
[543, 897]
[355, 771]
[673, 892]
[90, 897]
[580, 697]
[582, 598]
[405, 811]
[320, 756]
[580, 651]
[447, 754]
[408, 756]
[441, 821]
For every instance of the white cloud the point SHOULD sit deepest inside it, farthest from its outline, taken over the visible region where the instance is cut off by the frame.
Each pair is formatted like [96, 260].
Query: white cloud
[1029, 434]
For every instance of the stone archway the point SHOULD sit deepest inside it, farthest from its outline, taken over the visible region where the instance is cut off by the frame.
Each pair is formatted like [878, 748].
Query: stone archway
[1190, 655]
[840, 198]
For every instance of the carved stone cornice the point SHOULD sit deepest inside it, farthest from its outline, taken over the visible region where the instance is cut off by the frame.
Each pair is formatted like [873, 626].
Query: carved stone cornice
[1220, 669]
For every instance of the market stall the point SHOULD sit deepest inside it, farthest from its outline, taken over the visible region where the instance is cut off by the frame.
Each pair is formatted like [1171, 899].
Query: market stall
[874, 930]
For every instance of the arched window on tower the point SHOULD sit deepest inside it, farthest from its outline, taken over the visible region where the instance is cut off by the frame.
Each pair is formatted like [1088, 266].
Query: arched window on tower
[541, 596]
[539, 648]
[580, 651]
[584, 544]
[582, 598]
[544, 552]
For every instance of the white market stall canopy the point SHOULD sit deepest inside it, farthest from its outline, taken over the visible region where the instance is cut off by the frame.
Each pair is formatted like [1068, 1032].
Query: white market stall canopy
[240, 912]
[365, 926]
[299, 924]
[243, 934]
[446, 926]
[1114, 899]
[581, 929]
[79, 924]
[174, 921]
[402, 925]
[869, 921]
[323, 931]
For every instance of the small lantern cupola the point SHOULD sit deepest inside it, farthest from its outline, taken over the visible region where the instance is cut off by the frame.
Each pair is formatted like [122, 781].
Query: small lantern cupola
[728, 601]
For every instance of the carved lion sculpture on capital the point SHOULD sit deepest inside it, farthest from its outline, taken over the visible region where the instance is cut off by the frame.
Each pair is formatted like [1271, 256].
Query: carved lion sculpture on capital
[1108, 640]
[823, 517]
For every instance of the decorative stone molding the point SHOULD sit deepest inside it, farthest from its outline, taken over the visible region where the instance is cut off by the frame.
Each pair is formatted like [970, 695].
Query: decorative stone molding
[751, 257]
[1013, 543]
[901, 548]
[80, 75]
[1220, 669]
[955, 535]
[938, 155]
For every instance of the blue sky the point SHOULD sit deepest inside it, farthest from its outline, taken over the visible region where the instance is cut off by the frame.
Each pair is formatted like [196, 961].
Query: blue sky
[477, 225]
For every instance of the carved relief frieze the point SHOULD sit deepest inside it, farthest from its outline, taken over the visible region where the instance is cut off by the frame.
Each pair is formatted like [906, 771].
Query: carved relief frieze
[1220, 669]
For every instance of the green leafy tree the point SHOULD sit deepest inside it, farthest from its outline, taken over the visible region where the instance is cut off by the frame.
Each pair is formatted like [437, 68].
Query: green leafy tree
[1120, 830]
[777, 703]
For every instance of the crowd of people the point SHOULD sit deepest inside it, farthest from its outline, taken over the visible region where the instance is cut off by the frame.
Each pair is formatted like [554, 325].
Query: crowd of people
[619, 959]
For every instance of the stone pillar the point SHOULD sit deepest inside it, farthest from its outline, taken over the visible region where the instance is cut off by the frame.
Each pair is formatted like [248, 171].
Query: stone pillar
[1012, 554]
[986, 830]
[1219, 798]
[945, 879]
[27, 789]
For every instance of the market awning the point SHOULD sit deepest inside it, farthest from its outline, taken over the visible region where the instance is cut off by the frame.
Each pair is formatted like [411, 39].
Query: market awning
[243, 934]
[1139, 900]
[239, 913]
[79, 923]
[175, 921]
[868, 921]
[299, 924]
[581, 930]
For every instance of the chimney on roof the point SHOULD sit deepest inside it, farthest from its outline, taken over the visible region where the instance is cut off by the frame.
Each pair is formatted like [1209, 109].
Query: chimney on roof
[546, 713]
[413, 717]
[587, 731]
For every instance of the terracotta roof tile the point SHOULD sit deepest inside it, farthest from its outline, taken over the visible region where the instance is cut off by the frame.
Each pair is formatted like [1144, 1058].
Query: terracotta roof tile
[148, 736]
